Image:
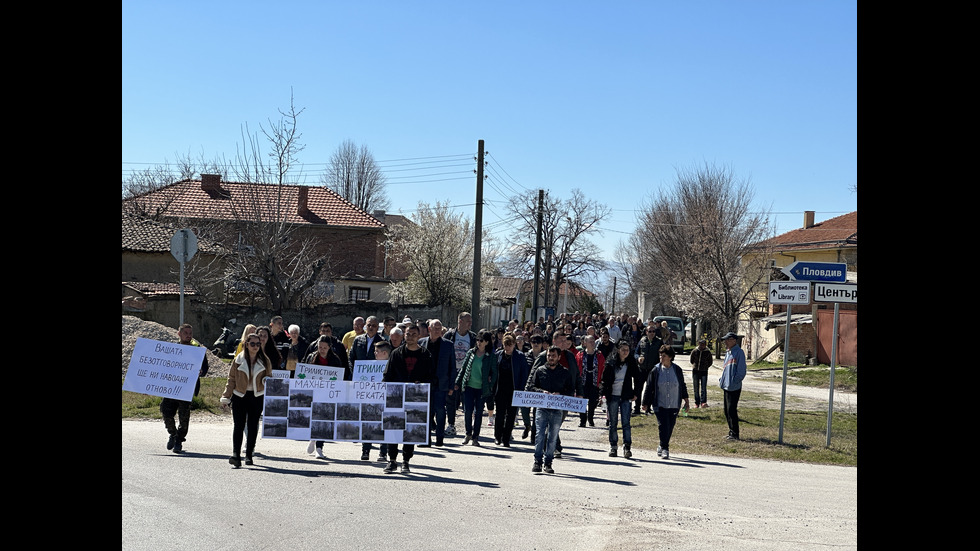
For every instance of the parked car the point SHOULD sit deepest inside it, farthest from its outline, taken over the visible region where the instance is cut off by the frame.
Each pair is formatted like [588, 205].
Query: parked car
[676, 326]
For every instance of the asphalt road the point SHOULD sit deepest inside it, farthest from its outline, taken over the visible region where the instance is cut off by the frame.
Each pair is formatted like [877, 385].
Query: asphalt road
[472, 498]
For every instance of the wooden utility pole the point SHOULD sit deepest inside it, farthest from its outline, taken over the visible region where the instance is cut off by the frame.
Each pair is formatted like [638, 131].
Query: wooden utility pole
[478, 238]
[537, 259]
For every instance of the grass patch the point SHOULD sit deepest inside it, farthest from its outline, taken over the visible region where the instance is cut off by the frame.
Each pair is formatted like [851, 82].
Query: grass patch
[142, 406]
[845, 378]
[804, 440]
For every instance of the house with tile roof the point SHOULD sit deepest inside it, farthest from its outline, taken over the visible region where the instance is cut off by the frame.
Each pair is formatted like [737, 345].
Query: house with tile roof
[348, 241]
[811, 327]
[510, 298]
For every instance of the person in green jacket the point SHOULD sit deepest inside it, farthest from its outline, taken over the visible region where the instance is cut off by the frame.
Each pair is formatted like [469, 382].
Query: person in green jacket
[476, 380]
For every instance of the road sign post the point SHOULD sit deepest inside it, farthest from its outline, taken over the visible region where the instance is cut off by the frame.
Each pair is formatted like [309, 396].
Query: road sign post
[788, 293]
[836, 293]
[183, 245]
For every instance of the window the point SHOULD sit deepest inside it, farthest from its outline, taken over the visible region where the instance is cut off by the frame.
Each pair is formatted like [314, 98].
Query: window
[359, 293]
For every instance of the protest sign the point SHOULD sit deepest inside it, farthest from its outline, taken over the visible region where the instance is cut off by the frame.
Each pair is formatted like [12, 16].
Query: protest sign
[369, 370]
[165, 369]
[549, 401]
[350, 411]
[311, 371]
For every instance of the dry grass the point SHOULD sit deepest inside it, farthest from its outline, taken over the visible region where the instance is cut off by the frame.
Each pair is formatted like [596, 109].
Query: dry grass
[703, 432]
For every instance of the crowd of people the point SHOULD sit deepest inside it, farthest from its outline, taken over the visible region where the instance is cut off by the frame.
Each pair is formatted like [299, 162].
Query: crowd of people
[619, 360]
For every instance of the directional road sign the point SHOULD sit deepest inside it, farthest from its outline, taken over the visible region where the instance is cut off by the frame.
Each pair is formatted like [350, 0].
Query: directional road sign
[835, 292]
[817, 271]
[789, 292]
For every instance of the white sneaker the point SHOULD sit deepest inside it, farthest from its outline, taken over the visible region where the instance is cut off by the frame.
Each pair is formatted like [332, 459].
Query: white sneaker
[666, 454]
[309, 449]
[660, 451]
[319, 453]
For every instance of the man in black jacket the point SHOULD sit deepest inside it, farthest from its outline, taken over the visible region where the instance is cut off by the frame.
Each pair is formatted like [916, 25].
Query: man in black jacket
[171, 408]
[550, 378]
[410, 363]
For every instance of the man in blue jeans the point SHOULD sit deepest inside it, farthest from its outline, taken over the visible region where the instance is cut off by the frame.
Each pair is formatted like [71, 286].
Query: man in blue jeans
[550, 378]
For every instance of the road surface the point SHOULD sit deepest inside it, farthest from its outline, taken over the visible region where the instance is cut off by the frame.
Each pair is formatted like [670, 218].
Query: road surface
[472, 498]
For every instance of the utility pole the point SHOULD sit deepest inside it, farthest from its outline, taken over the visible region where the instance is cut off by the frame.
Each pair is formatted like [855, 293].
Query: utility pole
[614, 295]
[478, 238]
[537, 259]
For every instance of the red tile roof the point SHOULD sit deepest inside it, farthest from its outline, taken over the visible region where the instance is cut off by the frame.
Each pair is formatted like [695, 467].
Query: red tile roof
[835, 233]
[232, 200]
[148, 236]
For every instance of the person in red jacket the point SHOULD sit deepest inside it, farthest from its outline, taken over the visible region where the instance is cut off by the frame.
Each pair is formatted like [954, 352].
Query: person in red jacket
[591, 362]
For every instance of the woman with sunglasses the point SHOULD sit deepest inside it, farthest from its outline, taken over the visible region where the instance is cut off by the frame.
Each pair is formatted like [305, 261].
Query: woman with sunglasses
[244, 392]
[476, 379]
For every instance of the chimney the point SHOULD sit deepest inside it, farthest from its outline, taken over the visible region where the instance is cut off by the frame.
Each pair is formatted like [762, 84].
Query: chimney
[807, 219]
[210, 182]
[303, 200]
[379, 215]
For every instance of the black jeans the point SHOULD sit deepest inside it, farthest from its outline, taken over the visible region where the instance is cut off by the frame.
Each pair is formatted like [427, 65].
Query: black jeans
[245, 411]
[503, 425]
[408, 450]
[731, 411]
[666, 419]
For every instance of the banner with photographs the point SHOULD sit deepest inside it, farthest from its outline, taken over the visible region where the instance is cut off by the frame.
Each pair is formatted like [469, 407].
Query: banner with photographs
[347, 411]
[549, 401]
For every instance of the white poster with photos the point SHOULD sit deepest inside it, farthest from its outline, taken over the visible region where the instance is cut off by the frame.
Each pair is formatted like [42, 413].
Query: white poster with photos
[346, 411]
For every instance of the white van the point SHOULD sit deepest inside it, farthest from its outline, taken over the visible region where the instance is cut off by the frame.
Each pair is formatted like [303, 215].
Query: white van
[676, 325]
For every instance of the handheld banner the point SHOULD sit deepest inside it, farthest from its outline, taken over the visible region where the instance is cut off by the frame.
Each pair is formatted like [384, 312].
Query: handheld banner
[165, 369]
[549, 401]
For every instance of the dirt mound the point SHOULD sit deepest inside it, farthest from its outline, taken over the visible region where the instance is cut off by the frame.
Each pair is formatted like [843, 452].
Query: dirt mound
[134, 328]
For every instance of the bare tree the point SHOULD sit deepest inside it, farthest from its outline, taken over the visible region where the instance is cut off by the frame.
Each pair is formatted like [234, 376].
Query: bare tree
[566, 228]
[438, 253]
[355, 176]
[153, 179]
[269, 257]
[702, 242]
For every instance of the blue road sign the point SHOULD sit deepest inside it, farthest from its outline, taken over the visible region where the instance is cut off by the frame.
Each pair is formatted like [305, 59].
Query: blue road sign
[835, 272]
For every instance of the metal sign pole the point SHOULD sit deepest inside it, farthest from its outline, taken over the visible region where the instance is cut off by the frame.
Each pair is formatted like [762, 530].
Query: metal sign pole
[782, 402]
[833, 368]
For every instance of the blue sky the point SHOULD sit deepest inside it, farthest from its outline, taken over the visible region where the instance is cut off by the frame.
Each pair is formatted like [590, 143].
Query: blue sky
[611, 98]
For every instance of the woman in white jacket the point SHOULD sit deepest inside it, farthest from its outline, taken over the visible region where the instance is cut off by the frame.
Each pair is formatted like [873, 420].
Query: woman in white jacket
[244, 392]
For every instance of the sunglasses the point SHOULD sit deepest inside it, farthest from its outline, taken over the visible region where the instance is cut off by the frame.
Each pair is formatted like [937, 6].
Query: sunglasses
[253, 343]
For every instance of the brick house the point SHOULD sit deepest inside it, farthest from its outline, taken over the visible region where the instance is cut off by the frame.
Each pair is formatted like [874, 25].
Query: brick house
[811, 327]
[349, 240]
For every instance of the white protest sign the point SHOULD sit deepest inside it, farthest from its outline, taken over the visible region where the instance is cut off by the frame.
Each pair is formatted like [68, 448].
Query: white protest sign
[549, 401]
[281, 373]
[311, 371]
[369, 370]
[351, 411]
[165, 369]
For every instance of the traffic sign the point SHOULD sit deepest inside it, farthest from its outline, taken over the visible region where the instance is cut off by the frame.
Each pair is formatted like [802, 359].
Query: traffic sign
[183, 245]
[835, 292]
[817, 271]
[788, 292]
